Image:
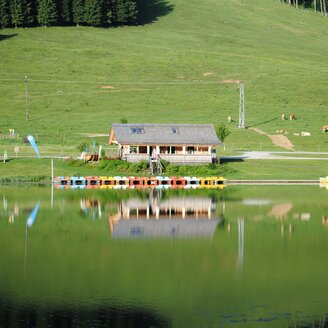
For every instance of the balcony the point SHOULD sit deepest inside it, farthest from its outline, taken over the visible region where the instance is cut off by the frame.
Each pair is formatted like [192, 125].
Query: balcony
[175, 158]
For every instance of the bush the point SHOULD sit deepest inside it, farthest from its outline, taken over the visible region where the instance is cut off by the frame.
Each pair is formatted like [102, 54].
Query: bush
[75, 162]
[142, 166]
[222, 132]
[81, 147]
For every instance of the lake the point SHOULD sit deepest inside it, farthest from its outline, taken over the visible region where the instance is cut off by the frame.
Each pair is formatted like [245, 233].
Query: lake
[248, 256]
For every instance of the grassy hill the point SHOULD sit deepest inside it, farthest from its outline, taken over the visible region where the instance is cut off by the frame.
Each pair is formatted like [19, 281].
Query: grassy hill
[82, 79]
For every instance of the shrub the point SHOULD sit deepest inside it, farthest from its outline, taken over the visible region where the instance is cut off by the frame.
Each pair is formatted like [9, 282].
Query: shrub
[81, 147]
[222, 132]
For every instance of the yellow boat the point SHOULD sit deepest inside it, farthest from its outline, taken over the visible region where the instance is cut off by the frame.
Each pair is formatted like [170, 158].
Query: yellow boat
[324, 180]
[107, 182]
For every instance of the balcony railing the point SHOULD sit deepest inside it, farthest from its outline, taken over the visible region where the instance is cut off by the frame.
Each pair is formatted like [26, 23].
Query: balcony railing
[174, 158]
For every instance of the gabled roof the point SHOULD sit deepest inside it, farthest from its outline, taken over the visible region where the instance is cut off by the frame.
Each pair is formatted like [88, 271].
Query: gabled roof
[174, 228]
[164, 134]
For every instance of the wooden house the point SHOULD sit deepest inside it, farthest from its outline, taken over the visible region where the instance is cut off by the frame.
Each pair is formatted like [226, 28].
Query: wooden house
[184, 217]
[175, 143]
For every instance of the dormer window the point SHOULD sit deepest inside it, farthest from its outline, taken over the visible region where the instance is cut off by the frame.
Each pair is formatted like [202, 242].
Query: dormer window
[175, 130]
[136, 130]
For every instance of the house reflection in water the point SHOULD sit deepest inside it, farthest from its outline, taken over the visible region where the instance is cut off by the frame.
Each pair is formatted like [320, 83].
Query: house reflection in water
[171, 217]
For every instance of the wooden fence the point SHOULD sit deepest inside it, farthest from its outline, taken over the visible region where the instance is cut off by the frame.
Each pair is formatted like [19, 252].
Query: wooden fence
[9, 136]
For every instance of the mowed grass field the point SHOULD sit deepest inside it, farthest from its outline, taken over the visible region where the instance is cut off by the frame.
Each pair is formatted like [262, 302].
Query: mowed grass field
[83, 79]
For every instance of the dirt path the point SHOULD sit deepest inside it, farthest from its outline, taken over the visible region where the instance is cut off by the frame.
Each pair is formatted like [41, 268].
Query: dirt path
[277, 139]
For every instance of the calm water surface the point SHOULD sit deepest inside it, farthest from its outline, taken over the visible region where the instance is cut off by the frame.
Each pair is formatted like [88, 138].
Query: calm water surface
[242, 256]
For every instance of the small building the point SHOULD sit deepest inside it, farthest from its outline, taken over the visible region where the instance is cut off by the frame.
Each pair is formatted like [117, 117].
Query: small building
[177, 217]
[175, 143]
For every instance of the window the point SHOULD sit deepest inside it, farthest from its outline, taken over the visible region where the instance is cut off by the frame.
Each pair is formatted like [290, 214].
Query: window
[175, 130]
[142, 149]
[133, 150]
[163, 150]
[137, 130]
[191, 150]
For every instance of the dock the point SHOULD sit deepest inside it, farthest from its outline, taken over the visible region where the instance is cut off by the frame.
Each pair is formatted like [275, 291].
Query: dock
[272, 182]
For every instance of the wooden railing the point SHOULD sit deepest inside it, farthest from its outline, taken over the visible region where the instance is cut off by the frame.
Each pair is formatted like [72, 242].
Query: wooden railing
[9, 136]
[173, 158]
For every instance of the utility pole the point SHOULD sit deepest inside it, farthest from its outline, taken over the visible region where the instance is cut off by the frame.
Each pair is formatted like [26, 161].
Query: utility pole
[26, 99]
[241, 124]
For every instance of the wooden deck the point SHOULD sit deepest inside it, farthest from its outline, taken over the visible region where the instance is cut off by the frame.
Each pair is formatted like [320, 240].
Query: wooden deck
[272, 182]
[176, 158]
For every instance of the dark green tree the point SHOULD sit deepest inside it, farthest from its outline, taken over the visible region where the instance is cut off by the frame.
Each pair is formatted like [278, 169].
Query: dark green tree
[125, 11]
[108, 11]
[131, 11]
[93, 12]
[16, 12]
[47, 12]
[64, 11]
[78, 12]
[4, 13]
[29, 9]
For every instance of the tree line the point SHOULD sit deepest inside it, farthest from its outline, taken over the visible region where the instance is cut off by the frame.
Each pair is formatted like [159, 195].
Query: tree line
[317, 5]
[16, 13]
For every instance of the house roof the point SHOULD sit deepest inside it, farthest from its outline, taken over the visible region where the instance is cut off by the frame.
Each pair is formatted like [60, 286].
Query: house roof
[174, 228]
[164, 134]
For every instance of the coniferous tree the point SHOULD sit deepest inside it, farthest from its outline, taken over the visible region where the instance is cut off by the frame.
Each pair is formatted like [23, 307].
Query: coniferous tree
[78, 11]
[65, 11]
[30, 10]
[108, 11]
[16, 12]
[4, 13]
[47, 12]
[120, 11]
[131, 11]
[124, 11]
[93, 12]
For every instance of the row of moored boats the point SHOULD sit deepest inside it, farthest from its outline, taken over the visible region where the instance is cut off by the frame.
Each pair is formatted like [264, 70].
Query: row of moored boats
[118, 182]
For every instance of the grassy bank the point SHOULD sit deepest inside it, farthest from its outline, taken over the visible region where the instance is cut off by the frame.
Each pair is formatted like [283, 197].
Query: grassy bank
[249, 169]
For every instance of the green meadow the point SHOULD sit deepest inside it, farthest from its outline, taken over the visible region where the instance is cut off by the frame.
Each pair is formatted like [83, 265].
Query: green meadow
[170, 70]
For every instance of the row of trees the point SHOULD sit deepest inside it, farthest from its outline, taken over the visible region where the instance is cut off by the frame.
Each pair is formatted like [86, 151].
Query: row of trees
[317, 5]
[67, 12]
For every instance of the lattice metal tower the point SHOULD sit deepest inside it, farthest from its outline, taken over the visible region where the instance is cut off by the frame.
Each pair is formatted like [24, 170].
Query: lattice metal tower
[241, 124]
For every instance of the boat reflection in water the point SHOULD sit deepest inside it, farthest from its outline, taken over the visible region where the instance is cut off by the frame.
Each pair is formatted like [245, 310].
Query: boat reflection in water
[157, 217]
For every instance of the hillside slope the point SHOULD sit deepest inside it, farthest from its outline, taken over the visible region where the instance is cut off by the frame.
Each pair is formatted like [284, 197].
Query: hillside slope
[83, 79]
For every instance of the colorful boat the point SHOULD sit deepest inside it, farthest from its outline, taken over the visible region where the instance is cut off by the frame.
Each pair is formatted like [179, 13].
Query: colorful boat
[106, 182]
[78, 182]
[118, 182]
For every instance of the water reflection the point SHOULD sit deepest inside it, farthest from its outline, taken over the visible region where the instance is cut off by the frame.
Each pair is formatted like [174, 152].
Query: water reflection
[241, 237]
[29, 223]
[110, 315]
[11, 213]
[92, 206]
[157, 217]
[246, 256]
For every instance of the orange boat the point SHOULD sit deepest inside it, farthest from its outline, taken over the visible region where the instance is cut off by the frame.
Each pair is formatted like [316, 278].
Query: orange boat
[92, 182]
[178, 182]
[136, 182]
[164, 181]
[150, 182]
